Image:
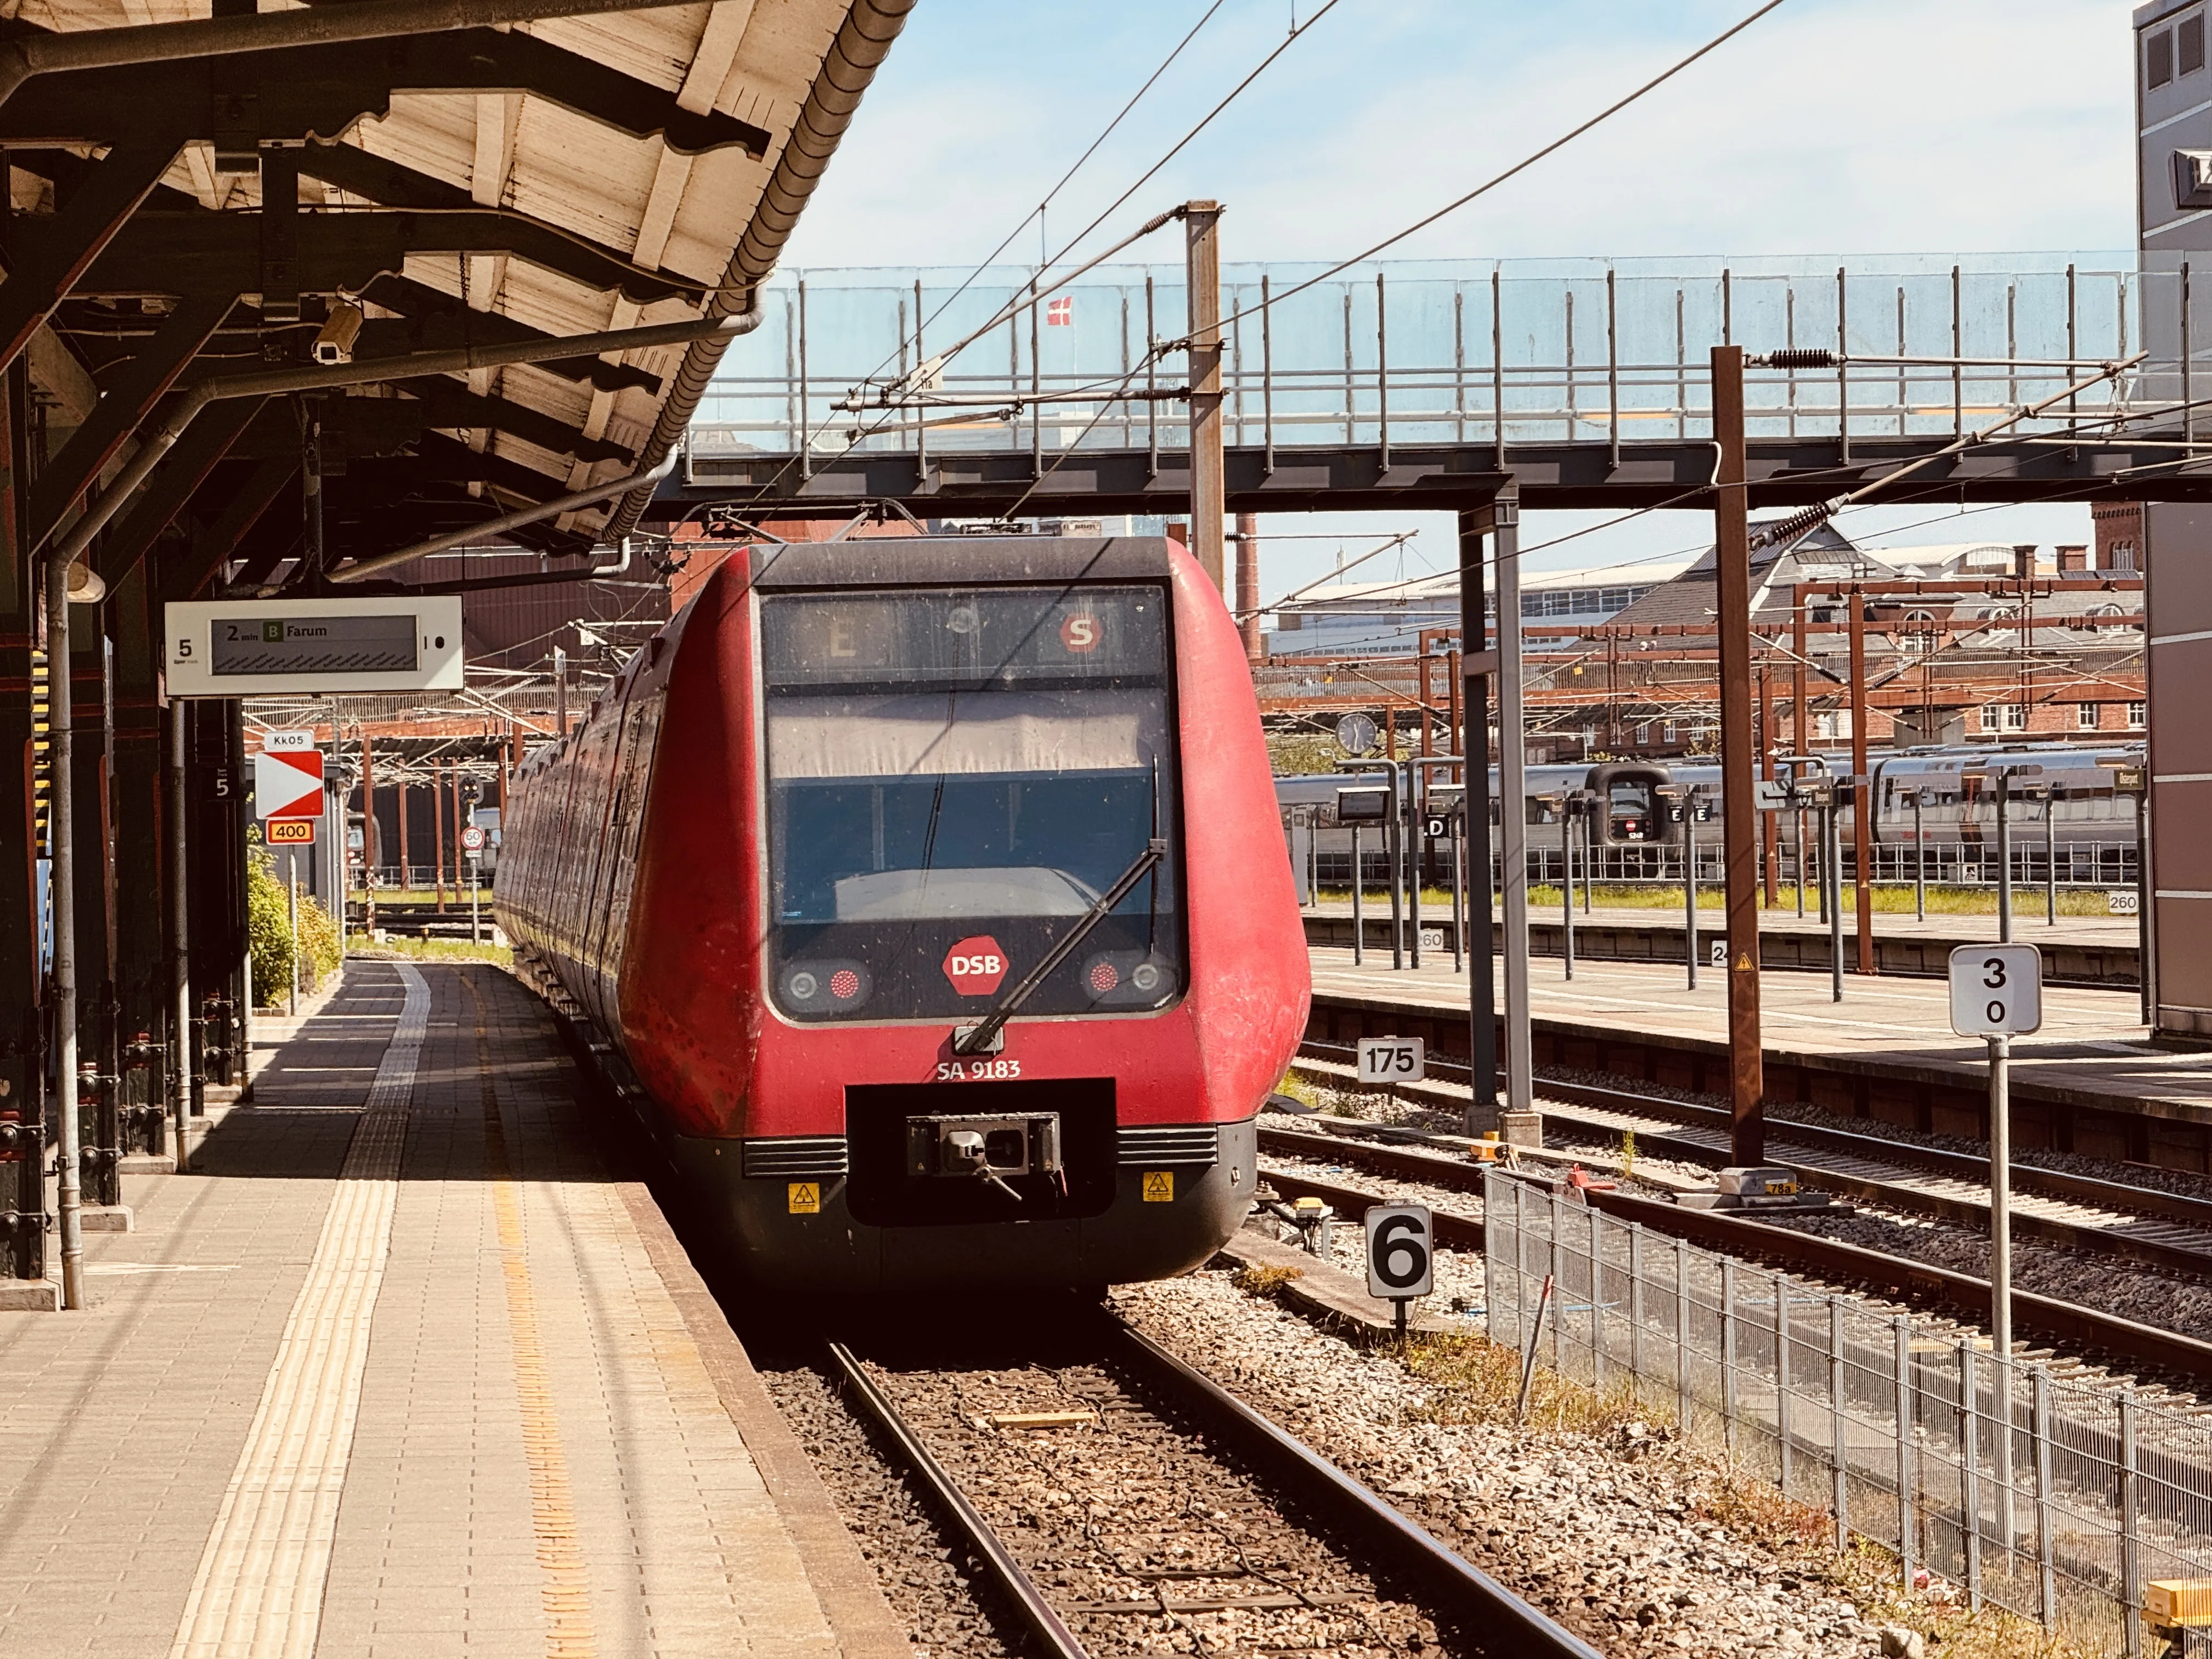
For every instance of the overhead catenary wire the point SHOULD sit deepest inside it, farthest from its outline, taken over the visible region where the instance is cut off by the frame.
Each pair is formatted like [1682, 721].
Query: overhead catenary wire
[1517, 168]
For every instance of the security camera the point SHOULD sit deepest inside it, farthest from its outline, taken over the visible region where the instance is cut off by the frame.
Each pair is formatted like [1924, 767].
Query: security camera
[334, 340]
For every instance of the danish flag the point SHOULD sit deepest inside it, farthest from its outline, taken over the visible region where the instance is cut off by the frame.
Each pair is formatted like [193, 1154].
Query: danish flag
[1061, 313]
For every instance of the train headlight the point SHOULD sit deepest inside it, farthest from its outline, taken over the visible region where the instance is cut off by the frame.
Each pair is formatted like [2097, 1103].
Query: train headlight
[825, 988]
[1127, 979]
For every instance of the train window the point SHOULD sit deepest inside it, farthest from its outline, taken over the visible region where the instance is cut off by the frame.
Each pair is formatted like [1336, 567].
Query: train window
[956, 777]
[1628, 812]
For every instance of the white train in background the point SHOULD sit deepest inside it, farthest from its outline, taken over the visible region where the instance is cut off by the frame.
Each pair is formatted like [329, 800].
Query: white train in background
[2090, 823]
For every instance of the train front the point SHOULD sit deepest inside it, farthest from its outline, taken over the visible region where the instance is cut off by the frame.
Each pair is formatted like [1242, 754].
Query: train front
[1030, 957]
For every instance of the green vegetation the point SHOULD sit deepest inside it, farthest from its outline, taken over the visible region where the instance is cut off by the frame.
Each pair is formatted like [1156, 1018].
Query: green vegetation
[268, 933]
[428, 950]
[423, 895]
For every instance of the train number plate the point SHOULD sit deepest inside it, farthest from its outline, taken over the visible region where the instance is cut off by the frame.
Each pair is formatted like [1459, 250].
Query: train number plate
[987, 1068]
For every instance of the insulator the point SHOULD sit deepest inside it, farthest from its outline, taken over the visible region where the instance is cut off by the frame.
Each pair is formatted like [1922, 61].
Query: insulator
[1785, 530]
[1801, 357]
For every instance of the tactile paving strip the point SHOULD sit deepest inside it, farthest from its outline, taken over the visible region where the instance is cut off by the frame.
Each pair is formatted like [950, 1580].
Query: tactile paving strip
[259, 1593]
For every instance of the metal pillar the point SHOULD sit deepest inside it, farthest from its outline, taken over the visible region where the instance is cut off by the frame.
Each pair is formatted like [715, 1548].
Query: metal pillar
[2004, 859]
[184, 1058]
[1862, 807]
[61, 807]
[2000, 1196]
[1475, 658]
[1209, 493]
[1739, 819]
[22, 1033]
[1512, 790]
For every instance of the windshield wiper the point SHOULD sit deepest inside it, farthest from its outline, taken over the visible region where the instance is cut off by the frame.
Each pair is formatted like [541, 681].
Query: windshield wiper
[976, 1039]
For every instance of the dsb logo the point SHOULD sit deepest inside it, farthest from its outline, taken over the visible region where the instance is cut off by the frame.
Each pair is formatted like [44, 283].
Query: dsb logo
[976, 965]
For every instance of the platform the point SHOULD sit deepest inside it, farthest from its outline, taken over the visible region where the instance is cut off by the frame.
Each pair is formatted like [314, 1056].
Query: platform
[2089, 1081]
[401, 1368]
[2089, 951]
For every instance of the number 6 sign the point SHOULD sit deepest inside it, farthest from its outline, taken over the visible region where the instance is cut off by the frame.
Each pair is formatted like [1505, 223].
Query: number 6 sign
[1400, 1242]
[1996, 990]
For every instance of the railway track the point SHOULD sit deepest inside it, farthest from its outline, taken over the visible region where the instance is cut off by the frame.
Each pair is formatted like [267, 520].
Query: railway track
[2144, 1352]
[1113, 1493]
[2138, 1223]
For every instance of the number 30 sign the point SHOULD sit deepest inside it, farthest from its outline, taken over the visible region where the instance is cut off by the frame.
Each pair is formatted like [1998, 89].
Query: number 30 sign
[1996, 990]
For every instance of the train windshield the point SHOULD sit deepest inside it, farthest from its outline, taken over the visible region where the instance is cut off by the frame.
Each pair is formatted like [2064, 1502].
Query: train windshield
[956, 779]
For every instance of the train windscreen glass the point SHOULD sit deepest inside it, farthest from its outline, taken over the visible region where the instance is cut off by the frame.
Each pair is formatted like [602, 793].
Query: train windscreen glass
[956, 779]
[1628, 812]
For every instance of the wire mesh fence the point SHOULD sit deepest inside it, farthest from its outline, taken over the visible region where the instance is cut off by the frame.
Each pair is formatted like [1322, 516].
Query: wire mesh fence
[2058, 1500]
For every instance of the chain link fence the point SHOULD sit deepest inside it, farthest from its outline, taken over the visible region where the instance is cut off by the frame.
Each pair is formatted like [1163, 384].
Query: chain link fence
[2059, 1500]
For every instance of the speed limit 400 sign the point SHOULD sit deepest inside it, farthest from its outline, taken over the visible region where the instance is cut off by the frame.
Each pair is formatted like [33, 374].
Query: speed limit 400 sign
[1996, 990]
[1400, 1253]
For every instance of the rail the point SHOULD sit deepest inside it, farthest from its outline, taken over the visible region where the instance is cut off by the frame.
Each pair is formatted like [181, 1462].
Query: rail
[1401, 1550]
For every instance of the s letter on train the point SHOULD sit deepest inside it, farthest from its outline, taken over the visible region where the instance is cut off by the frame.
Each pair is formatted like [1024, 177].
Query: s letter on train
[931, 899]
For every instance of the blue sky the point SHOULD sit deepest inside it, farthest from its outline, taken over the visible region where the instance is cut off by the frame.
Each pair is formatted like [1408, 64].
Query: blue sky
[1832, 127]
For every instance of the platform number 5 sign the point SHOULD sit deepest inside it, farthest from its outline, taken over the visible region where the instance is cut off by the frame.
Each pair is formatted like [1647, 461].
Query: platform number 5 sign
[1996, 990]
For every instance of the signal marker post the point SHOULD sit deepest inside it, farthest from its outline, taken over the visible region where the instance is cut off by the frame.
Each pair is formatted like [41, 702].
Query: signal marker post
[1996, 993]
[472, 841]
[1401, 1257]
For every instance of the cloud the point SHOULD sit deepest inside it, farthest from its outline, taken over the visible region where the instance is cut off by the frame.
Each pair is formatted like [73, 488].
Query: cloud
[1831, 128]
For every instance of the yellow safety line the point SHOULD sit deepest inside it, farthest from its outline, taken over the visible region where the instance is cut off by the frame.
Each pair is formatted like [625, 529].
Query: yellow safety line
[565, 1593]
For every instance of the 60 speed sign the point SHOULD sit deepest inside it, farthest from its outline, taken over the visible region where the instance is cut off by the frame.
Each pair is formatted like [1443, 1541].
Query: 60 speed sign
[1401, 1258]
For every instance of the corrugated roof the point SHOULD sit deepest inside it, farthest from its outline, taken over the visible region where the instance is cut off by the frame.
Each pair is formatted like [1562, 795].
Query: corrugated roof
[606, 227]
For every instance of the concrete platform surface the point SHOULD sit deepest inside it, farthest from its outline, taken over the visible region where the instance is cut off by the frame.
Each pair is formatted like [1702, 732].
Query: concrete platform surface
[2093, 1048]
[2028, 924]
[399, 1369]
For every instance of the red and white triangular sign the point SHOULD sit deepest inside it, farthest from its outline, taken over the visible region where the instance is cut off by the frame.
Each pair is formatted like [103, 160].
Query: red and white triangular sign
[288, 783]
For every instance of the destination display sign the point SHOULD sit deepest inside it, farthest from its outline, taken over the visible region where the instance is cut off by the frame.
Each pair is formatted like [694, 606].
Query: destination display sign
[234, 648]
[313, 645]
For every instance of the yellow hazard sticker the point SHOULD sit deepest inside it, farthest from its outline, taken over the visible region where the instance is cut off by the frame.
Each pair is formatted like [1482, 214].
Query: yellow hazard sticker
[805, 1197]
[1159, 1186]
[1743, 964]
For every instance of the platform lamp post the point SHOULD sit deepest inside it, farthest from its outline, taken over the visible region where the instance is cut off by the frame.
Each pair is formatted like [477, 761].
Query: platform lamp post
[1916, 798]
[2050, 855]
[2133, 778]
[1396, 811]
[2002, 774]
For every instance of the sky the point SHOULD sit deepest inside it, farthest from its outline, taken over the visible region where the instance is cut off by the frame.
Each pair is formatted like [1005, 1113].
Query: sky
[1828, 127]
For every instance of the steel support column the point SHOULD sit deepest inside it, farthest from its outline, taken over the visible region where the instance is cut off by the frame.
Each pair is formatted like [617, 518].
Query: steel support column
[1209, 493]
[22, 1048]
[1513, 788]
[1862, 806]
[139, 816]
[1732, 571]
[1475, 744]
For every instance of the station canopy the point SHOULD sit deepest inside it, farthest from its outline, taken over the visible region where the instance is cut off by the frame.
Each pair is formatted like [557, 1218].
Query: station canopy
[473, 176]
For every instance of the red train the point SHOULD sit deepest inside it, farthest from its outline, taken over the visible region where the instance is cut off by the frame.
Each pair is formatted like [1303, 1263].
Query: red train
[931, 897]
